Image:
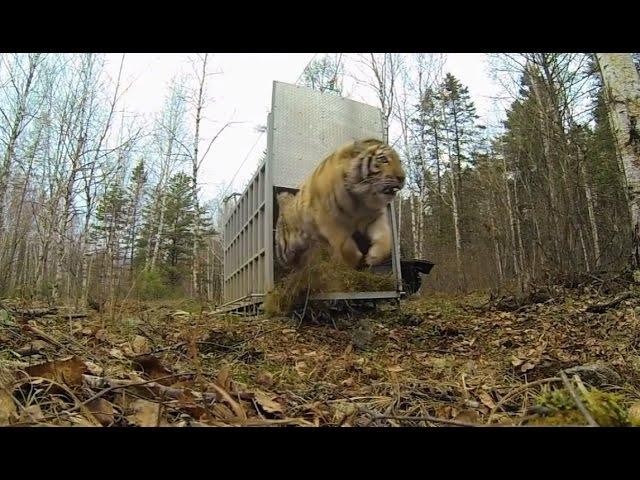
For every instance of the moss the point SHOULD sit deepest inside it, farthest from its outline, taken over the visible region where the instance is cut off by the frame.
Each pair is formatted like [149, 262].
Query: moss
[607, 408]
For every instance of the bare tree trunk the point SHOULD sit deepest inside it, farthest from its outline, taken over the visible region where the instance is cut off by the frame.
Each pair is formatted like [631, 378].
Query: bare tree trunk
[159, 232]
[194, 179]
[623, 93]
[496, 247]
[66, 219]
[16, 129]
[592, 215]
[585, 254]
[414, 226]
[9, 270]
[512, 224]
[456, 224]
[547, 148]
[521, 251]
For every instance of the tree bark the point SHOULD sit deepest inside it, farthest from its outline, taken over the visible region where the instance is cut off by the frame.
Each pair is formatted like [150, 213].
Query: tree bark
[622, 84]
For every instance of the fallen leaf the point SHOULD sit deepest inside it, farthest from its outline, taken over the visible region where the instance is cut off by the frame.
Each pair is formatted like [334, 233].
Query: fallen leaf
[220, 410]
[32, 413]
[135, 377]
[223, 378]
[151, 366]
[343, 412]
[395, 369]
[235, 406]
[267, 402]
[103, 411]
[527, 366]
[101, 334]
[87, 331]
[127, 350]
[298, 367]
[80, 421]
[486, 399]
[93, 368]
[140, 345]
[8, 409]
[145, 413]
[468, 416]
[516, 362]
[348, 382]
[68, 371]
[265, 378]
[116, 353]
[33, 348]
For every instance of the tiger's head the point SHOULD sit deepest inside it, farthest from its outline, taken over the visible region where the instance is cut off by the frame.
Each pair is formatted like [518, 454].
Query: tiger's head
[374, 173]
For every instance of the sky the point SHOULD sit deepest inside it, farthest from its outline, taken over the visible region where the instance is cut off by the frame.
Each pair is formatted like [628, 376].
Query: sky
[241, 93]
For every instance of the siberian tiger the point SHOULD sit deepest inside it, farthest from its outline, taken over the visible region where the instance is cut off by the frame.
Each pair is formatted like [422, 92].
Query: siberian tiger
[347, 193]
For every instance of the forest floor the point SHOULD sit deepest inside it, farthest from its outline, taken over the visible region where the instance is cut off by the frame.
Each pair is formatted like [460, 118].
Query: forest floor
[548, 359]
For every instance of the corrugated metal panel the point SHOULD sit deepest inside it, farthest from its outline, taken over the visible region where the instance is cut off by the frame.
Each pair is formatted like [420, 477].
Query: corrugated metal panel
[308, 125]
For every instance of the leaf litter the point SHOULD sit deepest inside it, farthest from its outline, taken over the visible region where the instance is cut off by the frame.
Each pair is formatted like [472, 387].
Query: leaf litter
[435, 361]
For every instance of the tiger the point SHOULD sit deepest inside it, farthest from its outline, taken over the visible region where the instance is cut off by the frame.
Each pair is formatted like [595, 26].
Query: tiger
[348, 192]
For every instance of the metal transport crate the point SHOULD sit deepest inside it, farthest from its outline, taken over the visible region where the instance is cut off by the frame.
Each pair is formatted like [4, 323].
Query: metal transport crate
[303, 127]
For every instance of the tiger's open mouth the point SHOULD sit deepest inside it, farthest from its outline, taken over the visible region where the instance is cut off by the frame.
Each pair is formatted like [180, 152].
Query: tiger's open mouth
[391, 190]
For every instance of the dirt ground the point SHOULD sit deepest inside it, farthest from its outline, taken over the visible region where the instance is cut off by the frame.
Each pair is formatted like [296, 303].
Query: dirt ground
[434, 361]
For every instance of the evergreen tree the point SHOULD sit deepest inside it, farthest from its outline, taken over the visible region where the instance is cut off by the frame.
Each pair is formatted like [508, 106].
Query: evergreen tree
[180, 215]
[136, 194]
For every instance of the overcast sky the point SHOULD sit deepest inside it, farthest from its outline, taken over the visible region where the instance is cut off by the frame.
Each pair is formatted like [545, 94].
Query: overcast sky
[242, 93]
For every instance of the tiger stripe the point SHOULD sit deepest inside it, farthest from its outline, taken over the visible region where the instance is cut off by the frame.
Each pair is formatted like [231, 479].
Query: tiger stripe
[348, 192]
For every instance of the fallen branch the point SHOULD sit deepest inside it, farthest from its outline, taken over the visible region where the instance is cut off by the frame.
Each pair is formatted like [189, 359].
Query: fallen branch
[34, 312]
[596, 374]
[423, 418]
[170, 392]
[45, 336]
[517, 390]
[576, 398]
[71, 316]
[603, 307]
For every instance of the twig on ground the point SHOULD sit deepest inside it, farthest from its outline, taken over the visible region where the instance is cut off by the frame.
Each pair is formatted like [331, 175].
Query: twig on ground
[425, 418]
[518, 390]
[587, 415]
[603, 307]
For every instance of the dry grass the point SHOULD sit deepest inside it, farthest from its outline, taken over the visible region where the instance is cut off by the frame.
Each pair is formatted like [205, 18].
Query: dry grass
[323, 275]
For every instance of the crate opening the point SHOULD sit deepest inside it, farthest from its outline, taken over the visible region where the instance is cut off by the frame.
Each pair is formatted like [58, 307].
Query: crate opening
[327, 276]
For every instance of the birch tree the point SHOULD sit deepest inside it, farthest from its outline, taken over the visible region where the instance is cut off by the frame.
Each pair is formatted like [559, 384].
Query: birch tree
[622, 84]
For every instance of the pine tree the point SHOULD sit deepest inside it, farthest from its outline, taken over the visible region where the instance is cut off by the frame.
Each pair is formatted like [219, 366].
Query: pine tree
[459, 121]
[136, 193]
[178, 237]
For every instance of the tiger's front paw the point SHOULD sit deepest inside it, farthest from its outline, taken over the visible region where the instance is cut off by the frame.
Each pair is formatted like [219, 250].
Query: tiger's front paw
[373, 259]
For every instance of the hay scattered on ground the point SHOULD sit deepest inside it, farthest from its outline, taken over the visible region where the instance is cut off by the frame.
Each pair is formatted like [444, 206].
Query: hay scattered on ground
[323, 275]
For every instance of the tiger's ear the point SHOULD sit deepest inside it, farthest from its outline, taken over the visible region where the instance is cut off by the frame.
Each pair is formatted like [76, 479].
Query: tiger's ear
[360, 146]
[283, 197]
